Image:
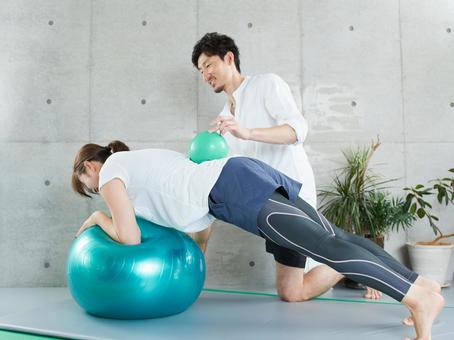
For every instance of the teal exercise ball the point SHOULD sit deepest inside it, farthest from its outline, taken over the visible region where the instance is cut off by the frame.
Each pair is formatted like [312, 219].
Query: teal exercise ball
[207, 146]
[161, 276]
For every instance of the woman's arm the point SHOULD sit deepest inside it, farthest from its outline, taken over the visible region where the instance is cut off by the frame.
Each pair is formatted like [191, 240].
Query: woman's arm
[122, 227]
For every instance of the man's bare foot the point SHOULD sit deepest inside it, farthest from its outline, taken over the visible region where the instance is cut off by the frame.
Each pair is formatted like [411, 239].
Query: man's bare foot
[426, 283]
[372, 294]
[424, 306]
[408, 321]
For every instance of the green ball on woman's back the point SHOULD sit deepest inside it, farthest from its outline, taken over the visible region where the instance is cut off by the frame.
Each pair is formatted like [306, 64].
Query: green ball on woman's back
[207, 146]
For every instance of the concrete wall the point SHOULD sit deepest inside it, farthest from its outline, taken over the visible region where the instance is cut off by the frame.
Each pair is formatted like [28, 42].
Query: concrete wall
[77, 71]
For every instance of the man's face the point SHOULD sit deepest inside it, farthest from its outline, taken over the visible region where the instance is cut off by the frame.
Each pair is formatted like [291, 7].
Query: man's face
[215, 71]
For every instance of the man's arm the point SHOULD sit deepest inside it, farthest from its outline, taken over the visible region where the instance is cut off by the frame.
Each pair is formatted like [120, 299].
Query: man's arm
[279, 134]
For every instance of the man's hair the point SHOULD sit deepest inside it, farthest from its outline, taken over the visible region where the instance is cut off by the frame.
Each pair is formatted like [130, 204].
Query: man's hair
[213, 44]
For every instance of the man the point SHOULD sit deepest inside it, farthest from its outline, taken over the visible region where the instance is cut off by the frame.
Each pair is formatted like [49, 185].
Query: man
[261, 120]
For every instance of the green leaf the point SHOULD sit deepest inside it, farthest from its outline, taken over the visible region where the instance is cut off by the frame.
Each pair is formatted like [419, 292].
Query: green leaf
[421, 213]
[419, 186]
[413, 208]
[440, 197]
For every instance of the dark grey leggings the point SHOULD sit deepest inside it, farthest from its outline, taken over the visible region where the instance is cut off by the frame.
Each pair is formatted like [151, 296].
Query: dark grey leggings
[300, 227]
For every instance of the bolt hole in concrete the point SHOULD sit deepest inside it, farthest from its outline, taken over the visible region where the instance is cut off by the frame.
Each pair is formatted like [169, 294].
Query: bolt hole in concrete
[49, 101]
[144, 23]
[351, 28]
[46, 264]
[251, 264]
[448, 30]
[47, 182]
[353, 103]
[249, 25]
[143, 101]
[451, 104]
[51, 22]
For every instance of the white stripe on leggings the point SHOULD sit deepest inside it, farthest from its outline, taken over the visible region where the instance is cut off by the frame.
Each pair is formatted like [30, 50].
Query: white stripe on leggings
[374, 278]
[300, 211]
[323, 218]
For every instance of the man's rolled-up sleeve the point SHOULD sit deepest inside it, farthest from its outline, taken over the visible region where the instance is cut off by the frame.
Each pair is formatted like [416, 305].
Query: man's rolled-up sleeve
[281, 105]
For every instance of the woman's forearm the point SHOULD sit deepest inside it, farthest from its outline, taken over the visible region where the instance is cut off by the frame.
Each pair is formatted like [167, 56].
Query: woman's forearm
[106, 224]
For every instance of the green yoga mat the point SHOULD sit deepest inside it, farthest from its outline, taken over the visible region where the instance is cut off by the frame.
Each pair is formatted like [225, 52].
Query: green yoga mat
[6, 335]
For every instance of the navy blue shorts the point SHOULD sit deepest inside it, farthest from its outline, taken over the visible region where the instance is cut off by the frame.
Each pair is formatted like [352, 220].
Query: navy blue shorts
[241, 191]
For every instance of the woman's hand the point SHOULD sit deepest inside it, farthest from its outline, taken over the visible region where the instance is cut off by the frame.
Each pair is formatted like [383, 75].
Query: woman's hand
[93, 219]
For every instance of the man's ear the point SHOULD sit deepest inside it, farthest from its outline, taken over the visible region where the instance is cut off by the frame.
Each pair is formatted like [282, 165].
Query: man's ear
[229, 58]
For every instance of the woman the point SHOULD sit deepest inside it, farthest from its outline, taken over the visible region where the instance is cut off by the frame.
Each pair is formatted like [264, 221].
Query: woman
[165, 187]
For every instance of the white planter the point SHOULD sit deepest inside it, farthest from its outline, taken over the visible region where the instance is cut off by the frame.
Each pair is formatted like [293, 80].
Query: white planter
[430, 261]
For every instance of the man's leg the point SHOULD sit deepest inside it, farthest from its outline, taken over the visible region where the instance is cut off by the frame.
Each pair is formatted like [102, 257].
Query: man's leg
[293, 285]
[202, 237]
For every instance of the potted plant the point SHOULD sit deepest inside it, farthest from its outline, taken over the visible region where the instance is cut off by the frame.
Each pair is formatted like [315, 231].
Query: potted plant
[358, 201]
[431, 258]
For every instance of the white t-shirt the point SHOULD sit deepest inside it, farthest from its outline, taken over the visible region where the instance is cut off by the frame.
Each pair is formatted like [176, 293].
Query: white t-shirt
[164, 186]
[264, 101]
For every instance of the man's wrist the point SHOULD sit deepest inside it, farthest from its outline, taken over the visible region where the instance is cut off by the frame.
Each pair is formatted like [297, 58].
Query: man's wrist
[251, 134]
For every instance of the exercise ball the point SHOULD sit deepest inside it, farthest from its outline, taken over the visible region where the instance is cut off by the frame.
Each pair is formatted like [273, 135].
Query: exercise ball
[161, 276]
[206, 146]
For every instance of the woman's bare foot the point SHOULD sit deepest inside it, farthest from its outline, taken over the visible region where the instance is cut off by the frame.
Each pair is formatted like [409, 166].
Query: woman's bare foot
[372, 294]
[424, 306]
[428, 284]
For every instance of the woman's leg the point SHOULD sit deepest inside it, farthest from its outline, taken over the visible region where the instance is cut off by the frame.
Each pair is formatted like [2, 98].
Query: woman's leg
[282, 222]
[304, 231]
[360, 241]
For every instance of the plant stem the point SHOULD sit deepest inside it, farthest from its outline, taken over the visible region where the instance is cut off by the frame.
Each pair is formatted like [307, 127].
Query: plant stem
[442, 236]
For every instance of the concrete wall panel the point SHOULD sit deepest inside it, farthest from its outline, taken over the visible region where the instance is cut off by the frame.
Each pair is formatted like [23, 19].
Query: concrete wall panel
[351, 73]
[39, 213]
[43, 66]
[142, 78]
[428, 48]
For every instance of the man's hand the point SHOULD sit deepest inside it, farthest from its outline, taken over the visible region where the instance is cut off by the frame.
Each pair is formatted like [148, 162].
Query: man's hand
[225, 124]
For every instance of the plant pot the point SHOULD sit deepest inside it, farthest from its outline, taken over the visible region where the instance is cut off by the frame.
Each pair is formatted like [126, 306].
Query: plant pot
[430, 261]
[379, 240]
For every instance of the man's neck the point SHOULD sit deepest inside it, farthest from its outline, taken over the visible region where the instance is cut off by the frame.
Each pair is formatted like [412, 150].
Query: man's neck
[237, 79]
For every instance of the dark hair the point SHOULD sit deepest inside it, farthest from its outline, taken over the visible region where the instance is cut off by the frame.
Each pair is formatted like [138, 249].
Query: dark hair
[92, 152]
[216, 44]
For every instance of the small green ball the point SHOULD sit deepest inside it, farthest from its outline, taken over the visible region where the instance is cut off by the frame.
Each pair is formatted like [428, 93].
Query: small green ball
[206, 146]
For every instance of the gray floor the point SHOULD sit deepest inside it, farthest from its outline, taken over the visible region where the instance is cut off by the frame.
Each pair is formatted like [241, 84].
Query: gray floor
[51, 311]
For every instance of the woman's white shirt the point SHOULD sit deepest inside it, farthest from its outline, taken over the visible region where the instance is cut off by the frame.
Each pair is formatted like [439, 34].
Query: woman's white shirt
[164, 186]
